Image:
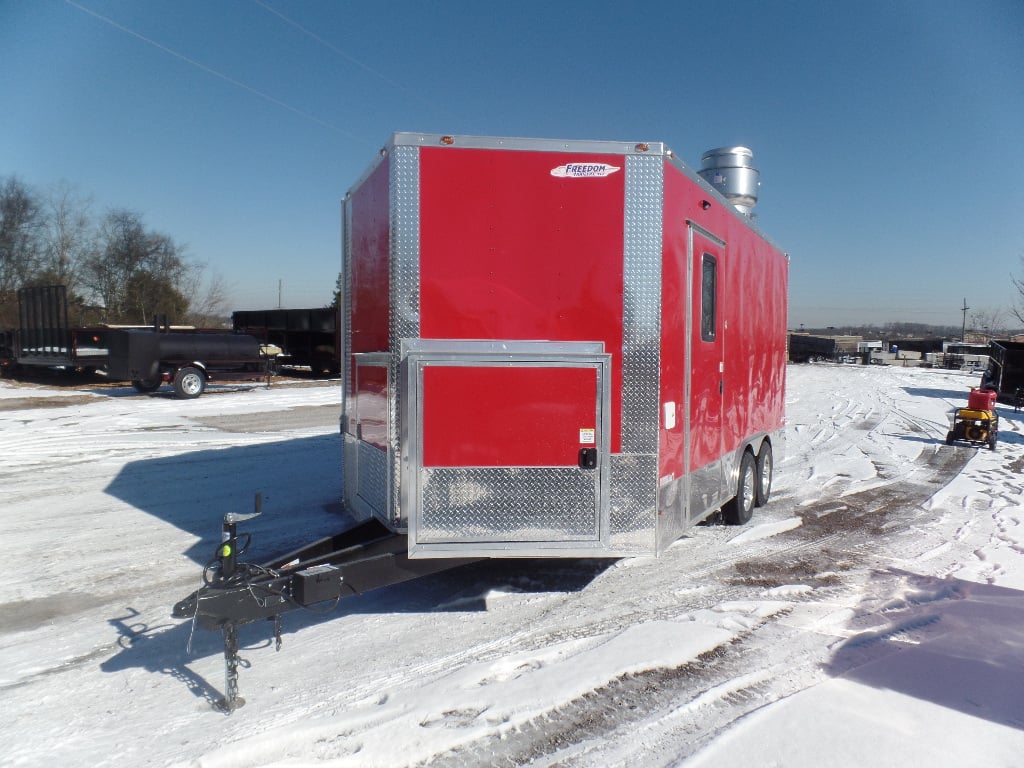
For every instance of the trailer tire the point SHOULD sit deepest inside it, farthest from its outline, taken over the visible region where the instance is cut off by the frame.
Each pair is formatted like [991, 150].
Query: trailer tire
[147, 385]
[949, 437]
[740, 508]
[765, 469]
[189, 383]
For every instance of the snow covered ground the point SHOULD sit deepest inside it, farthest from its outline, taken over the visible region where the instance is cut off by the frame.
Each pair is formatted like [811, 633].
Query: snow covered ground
[870, 615]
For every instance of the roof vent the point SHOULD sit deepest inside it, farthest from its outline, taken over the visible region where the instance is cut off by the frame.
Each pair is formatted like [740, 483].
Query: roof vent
[730, 170]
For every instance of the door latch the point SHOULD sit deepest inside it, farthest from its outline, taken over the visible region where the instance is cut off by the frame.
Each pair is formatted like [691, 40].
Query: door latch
[588, 458]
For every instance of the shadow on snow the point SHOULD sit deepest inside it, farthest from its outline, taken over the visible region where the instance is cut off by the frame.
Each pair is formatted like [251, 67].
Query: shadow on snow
[299, 480]
[950, 642]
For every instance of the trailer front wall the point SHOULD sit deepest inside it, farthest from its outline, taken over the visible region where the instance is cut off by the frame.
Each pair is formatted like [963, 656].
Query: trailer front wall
[509, 252]
[366, 412]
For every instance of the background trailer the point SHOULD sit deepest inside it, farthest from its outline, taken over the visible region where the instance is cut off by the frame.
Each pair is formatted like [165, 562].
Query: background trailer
[1005, 372]
[305, 336]
[557, 348]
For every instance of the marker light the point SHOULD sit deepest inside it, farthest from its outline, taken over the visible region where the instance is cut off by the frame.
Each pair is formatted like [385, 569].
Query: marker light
[448, 140]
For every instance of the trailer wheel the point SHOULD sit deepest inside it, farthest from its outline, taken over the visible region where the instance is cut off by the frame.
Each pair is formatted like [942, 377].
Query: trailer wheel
[189, 382]
[740, 509]
[765, 470]
[949, 437]
[147, 385]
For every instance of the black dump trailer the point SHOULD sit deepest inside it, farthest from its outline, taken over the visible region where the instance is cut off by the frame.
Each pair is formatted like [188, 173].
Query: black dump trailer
[804, 348]
[307, 337]
[1005, 372]
[187, 359]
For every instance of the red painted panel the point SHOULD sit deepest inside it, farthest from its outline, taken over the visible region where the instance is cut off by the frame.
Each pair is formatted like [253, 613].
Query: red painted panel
[753, 277]
[507, 416]
[510, 251]
[370, 242]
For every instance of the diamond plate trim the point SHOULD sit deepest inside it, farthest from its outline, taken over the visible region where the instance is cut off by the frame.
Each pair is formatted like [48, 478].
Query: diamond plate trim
[404, 278]
[641, 341]
[373, 480]
[633, 499]
[346, 342]
[634, 472]
[507, 504]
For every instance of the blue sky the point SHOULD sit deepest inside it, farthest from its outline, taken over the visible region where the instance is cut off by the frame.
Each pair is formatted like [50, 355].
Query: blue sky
[889, 135]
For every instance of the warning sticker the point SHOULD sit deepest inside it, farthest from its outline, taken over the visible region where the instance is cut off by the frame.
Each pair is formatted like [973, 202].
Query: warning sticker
[588, 436]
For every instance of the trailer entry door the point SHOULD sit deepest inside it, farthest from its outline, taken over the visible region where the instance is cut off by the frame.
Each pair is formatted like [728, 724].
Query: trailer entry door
[506, 447]
[706, 373]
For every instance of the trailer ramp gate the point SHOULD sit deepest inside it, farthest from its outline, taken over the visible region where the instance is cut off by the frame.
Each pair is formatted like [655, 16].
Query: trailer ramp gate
[505, 447]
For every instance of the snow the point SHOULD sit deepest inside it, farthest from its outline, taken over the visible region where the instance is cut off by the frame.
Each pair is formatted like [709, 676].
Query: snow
[870, 614]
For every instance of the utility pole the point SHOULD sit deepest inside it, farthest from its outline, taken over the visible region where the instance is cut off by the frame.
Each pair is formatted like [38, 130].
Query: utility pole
[963, 331]
[279, 295]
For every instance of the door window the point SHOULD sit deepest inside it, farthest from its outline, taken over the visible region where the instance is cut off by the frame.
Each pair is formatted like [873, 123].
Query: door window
[708, 297]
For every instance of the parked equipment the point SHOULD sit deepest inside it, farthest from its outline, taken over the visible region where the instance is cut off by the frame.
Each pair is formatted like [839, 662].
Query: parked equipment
[186, 359]
[1005, 370]
[551, 349]
[45, 339]
[307, 337]
[978, 423]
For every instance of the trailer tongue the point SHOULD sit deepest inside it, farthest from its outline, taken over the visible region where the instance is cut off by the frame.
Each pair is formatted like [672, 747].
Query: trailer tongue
[315, 577]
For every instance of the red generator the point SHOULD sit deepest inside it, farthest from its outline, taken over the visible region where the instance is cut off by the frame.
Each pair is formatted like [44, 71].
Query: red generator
[557, 348]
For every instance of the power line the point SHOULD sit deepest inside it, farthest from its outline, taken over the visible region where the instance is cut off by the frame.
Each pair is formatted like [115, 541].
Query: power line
[349, 58]
[214, 72]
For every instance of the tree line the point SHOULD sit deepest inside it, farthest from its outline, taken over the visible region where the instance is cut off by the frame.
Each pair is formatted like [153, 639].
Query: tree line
[116, 270]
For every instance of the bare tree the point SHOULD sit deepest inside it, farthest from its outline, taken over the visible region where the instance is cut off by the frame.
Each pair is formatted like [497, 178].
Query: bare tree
[208, 292]
[989, 322]
[1018, 305]
[20, 225]
[68, 239]
[137, 274]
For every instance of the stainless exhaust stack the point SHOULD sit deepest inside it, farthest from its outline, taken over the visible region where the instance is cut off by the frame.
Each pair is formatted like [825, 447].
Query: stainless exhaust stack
[731, 171]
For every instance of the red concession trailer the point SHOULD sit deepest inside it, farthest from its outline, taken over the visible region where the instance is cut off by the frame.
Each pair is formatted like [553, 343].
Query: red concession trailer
[550, 348]
[557, 348]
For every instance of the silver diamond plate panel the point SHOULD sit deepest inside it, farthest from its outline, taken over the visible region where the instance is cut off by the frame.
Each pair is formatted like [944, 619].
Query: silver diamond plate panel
[641, 343]
[349, 474]
[633, 498]
[404, 276]
[346, 341]
[508, 504]
[373, 477]
[634, 472]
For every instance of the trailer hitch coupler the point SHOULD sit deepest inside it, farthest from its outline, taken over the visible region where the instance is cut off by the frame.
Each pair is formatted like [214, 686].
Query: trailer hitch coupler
[229, 549]
[228, 536]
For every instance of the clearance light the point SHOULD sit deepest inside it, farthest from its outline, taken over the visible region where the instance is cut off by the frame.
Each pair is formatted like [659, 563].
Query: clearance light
[448, 140]
[642, 147]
